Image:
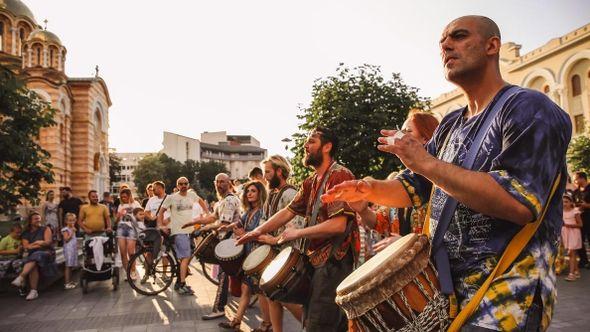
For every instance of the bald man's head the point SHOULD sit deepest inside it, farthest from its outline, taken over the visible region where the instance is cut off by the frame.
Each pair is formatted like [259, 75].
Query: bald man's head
[222, 184]
[486, 27]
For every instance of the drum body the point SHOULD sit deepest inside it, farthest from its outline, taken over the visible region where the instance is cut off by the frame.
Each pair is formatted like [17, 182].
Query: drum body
[229, 256]
[205, 250]
[288, 277]
[257, 261]
[396, 290]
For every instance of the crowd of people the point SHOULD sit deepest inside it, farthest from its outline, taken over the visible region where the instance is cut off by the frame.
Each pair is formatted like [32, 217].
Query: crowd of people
[470, 198]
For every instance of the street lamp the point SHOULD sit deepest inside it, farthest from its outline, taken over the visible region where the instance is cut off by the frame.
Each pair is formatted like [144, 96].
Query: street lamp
[286, 140]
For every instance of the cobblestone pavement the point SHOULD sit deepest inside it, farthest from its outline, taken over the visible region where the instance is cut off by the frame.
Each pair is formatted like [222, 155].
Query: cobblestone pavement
[124, 310]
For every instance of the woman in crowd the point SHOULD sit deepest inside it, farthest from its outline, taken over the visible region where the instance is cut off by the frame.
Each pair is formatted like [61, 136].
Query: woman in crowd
[253, 199]
[149, 193]
[571, 235]
[37, 240]
[126, 234]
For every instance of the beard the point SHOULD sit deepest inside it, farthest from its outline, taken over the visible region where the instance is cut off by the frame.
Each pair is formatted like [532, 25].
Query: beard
[313, 159]
[275, 182]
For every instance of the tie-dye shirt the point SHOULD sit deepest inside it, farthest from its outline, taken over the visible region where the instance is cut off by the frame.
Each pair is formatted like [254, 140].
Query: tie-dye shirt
[523, 151]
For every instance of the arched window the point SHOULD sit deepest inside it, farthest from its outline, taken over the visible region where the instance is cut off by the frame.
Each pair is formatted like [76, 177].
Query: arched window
[51, 57]
[1, 36]
[546, 89]
[38, 56]
[576, 86]
[21, 36]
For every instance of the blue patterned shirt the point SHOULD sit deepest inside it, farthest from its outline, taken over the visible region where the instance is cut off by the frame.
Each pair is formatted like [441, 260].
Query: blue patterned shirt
[523, 151]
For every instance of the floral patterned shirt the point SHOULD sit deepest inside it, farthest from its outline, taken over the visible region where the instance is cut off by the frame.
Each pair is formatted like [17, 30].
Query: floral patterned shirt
[523, 151]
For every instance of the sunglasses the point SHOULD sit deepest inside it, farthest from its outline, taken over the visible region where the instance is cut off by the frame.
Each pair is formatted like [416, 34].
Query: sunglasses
[183, 183]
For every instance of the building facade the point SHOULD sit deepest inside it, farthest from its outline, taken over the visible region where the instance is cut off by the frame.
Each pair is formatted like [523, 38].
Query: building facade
[78, 144]
[239, 153]
[560, 69]
[129, 162]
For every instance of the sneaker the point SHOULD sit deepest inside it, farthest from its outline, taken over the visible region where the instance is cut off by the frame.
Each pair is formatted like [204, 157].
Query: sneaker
[176, 286]
[571, 277]
[18, 281]
[33, 294]
[184, 290]
[213, 315]
[166, 278]
[70, 285]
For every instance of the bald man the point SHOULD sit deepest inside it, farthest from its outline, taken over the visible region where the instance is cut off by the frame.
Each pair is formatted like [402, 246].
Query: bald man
[227, 211]
[506, 187]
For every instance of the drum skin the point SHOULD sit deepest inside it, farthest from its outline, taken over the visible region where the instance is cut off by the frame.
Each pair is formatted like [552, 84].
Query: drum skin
[261, 257]
[292, 281]
[397, 285]
[205, 250]
[230, 256]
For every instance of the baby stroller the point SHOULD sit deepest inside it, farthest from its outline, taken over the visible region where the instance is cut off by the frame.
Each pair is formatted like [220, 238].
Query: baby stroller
[105, 271]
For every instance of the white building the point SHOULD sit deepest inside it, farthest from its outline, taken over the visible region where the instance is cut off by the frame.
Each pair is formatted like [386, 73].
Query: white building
[129, 162]
[239, 153]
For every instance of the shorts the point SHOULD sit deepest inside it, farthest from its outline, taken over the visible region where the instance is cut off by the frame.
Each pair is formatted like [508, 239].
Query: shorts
[125, 231]
[182, 246]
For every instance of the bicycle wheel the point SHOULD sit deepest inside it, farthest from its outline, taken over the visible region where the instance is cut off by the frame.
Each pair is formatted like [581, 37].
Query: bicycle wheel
[153, 276]
[207, 271]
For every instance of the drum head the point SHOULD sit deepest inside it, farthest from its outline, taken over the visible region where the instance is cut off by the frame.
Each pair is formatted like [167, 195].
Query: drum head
[256, 257]
[276, 265]
[227, 249]
[372, 267]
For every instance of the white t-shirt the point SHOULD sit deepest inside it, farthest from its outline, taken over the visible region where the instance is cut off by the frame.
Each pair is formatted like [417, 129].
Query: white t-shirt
[153, 204]
[197, 209]
[128, 208]
[181, 211]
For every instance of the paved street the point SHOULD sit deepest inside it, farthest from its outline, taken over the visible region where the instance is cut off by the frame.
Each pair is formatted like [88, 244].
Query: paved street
[124, 310]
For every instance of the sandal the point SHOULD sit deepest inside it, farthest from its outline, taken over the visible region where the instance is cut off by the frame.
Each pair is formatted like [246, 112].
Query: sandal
[264, 327]
[234, 324]
[571, 277]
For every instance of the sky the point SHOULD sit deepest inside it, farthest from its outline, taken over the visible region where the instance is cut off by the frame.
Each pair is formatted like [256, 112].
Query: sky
[247, 66]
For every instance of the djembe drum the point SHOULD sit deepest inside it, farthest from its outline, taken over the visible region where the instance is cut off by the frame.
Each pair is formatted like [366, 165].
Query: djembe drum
[396, 290]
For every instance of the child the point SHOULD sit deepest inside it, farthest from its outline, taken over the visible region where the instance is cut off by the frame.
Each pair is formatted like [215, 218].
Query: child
[70, 249]
[139, 215]
[571, 235]
[10, 251]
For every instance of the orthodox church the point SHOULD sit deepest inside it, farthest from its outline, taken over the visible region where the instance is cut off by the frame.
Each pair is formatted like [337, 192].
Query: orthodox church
[79, 142]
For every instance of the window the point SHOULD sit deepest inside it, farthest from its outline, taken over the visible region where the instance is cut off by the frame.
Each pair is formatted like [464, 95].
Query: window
[579, 123]
[21, 35]
[546, 89]
[38, 56]
[1, 36]
[576, 86]
[186, 147]
[51, 58]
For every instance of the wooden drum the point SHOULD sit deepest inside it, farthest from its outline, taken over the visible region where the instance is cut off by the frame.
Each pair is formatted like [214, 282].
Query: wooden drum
[205, 248]
[288, 277]
[396, 290]
[230, 256]
[257, 261]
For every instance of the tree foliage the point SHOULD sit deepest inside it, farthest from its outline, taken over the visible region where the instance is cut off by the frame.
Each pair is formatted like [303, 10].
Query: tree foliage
[161, 167]
[356, 103]
[24, 164]
[114, 168]
[578, 153]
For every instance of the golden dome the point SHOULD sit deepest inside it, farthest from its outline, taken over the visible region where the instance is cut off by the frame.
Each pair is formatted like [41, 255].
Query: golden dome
[44, 36]
[17, 8]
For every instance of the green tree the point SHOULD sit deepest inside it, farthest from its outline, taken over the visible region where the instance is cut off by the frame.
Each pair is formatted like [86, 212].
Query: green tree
[207, 172]
[356, 103]
[172, 171]
[24, 164]
[578, 153]
[148, 170]
[114, 168]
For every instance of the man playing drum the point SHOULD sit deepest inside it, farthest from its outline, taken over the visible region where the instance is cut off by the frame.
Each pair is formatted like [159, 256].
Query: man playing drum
[507, 186]
[333, 236]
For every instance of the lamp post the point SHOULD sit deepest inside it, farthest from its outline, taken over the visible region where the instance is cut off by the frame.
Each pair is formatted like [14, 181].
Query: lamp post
[286, 140]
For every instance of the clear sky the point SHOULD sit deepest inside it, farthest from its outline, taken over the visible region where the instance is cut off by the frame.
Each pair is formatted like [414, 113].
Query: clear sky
[245, 66]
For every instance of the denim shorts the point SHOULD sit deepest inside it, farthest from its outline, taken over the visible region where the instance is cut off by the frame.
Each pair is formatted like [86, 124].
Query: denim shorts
[182, 246]
[125, 231]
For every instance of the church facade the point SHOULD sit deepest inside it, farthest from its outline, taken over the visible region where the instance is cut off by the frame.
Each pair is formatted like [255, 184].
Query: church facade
[560, 69]
[78, 143]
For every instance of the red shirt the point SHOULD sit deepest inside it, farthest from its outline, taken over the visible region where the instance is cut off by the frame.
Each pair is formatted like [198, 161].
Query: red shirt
[302, 204]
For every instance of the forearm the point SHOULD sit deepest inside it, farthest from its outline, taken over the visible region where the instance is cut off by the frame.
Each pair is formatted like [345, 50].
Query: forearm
[476, 190]
[388, 193]
[328, 228]
[276, 221]
[9, 252]
[107, 222]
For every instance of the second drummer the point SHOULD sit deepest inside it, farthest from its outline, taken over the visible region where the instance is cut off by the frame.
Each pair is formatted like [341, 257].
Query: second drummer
[333, 237]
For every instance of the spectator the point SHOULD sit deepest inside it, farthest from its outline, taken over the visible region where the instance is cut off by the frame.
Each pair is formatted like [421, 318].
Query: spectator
[108, 201]
[36, 239]
[582, 202]
[94, 217]
[126, 234]
[70, 249]
[11, 251]
[152, 208]
[257, 175]
[139, 216]
[49, 214]
[571, 235]
[149, 193]
[68, 204]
